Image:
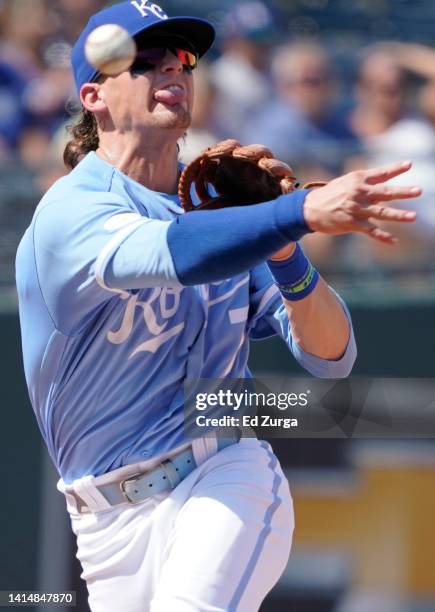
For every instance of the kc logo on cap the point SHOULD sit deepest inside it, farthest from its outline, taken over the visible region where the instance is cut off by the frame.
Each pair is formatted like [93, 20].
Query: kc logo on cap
[138, 17]
[146, 8]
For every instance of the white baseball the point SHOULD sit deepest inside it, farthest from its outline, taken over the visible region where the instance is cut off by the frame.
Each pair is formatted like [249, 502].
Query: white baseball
[110, 49]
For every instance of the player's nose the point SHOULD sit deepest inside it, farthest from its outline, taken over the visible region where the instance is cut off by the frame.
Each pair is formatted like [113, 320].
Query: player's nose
[171, 63]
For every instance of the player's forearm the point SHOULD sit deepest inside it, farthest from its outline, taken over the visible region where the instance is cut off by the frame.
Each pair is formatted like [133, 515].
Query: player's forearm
[208, 246]
[318, 323]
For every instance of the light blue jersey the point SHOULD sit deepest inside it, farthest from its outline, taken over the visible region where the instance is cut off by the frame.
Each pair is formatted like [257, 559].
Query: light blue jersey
[109, 333]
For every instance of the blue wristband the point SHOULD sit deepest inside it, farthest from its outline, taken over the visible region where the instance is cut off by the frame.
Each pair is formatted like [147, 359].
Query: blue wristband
[295, 276]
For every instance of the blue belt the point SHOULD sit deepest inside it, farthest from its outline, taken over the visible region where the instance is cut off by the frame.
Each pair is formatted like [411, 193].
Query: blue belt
[161, 479]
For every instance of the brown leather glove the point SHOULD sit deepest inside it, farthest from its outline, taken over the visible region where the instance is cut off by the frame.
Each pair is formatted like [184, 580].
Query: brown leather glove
[239, 176]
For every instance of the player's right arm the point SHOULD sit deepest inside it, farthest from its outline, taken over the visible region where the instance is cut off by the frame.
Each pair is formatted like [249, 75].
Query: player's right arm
[93, 245]
[207, 246]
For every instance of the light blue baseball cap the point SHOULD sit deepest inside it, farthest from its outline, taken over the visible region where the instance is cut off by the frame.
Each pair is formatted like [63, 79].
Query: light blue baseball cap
[138, 17]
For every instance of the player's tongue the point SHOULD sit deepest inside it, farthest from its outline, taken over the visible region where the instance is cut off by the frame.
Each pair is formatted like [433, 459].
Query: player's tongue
[170, 95]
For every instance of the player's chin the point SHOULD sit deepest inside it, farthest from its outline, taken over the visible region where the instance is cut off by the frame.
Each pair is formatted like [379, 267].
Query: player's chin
[174, 117]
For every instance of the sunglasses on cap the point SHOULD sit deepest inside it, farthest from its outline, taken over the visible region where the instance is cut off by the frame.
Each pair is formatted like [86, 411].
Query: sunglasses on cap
[150, 57]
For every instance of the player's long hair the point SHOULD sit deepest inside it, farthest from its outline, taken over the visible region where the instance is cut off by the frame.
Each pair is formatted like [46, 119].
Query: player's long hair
[84, 139]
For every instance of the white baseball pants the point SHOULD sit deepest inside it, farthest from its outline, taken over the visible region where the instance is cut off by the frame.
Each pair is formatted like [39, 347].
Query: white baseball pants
[218, 542]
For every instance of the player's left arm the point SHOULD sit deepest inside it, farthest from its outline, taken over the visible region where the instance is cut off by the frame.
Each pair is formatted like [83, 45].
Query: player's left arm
[318, 321]
[317, 328]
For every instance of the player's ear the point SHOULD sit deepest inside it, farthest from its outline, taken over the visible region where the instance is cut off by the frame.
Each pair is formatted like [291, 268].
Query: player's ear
[92, 98]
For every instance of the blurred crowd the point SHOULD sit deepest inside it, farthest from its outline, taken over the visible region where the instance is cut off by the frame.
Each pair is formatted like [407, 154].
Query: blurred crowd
[288, 93]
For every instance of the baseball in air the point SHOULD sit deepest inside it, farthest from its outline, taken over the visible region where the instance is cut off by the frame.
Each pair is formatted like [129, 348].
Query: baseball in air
[110, 49]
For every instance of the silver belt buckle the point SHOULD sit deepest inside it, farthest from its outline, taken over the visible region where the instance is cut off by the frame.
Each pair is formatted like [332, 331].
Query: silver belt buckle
[127, 481]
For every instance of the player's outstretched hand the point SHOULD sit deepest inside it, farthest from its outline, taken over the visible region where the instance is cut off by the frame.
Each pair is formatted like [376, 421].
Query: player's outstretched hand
[351, 202]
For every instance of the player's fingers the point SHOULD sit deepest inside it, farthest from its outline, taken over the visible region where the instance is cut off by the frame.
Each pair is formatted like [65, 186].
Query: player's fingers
[387, 193]
[371, 230]
[385, 173]
[387, 213]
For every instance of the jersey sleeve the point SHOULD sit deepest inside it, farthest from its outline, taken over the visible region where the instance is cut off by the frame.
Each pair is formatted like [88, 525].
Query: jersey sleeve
[268, 317]
[264, 300]
[73, 243]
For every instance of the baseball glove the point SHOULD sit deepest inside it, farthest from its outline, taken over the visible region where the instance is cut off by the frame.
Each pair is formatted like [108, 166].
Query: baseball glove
[238, 175]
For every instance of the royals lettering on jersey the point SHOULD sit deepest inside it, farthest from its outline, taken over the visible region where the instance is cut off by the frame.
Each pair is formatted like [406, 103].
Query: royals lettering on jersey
[159, 333]
[108, 341]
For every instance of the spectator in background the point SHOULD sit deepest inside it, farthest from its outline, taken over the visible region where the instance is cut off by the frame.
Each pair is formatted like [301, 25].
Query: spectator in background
[39, 69]
[45, 99]
[35, 76]
[241, 75]
[73, 14]
[389, 132]
[303, 125]
[419, 60]
[24, 25]
[379, 94]
[13, 115]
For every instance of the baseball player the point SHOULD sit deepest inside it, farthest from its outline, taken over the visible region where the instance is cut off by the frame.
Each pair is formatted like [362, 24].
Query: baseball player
[122, 297]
